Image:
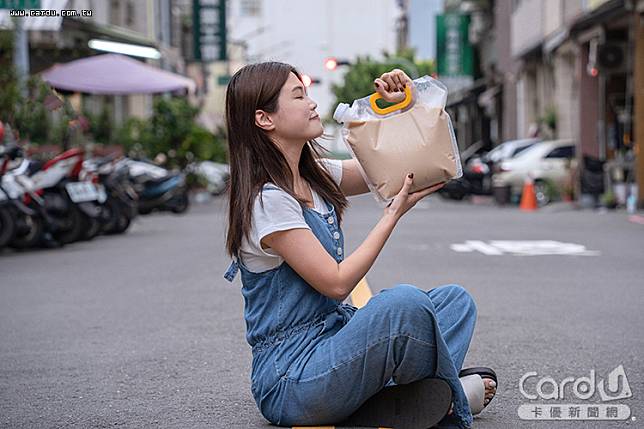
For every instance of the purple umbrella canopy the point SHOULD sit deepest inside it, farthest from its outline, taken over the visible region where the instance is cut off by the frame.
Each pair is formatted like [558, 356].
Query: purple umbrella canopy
[113, 74]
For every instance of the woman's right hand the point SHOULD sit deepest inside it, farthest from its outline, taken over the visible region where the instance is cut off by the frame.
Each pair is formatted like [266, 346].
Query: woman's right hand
[405, 201]
[391, 85]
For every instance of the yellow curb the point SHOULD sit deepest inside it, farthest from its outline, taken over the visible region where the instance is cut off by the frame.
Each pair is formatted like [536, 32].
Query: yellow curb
[361, 294]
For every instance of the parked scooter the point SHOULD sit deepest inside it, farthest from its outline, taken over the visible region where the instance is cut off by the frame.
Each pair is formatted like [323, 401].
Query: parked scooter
[7, 224]
[29, 218]
[7, 217]
[158, 188]
[121, 205]
[70, 208]
[215, 174]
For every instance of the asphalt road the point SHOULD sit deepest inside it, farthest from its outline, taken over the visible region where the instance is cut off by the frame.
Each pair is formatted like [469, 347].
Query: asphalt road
[141, 330]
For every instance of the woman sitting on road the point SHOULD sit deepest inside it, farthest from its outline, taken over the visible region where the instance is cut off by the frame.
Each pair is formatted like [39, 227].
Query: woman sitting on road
[395, 362]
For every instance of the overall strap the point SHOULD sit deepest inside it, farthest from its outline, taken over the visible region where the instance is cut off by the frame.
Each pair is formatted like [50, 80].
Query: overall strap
[233, 268]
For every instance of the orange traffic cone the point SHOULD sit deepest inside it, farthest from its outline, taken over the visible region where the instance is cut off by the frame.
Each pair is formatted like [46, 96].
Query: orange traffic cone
[528, 196]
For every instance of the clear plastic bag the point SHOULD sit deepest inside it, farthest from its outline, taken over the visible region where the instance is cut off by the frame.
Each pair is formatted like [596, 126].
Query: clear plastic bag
[415, 135]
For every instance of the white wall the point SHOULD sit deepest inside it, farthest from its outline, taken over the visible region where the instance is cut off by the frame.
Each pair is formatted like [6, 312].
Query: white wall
[527, 25]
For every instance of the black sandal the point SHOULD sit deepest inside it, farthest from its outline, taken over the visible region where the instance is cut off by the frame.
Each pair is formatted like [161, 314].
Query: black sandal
[484, 373]
[418, 405]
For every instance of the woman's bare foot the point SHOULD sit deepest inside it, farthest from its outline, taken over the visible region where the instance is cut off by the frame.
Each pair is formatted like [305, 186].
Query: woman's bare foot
[490, 391]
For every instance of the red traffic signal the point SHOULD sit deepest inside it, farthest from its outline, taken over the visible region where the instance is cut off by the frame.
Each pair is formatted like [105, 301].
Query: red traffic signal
[308, 80]
[331, 64]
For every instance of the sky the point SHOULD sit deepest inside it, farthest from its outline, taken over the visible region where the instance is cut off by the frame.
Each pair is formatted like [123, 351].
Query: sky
[306, 32]
[422, 27]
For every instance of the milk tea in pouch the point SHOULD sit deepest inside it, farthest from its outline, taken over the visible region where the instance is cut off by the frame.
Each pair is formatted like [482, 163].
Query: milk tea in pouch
[415, 135]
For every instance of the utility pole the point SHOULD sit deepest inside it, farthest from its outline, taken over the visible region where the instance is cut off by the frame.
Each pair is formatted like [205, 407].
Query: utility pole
[21, 54]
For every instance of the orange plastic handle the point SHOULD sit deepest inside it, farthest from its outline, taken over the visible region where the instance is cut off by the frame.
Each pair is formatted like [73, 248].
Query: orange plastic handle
[398, 106]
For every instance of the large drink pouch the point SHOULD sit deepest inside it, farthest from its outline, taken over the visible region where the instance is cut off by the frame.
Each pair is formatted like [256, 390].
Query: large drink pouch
[414, 135]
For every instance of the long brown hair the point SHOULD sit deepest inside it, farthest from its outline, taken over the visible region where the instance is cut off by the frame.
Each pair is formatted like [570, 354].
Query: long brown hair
[255, 159]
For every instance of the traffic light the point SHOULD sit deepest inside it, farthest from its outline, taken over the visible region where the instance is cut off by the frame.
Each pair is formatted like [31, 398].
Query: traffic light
[308, 80]
[332, 63]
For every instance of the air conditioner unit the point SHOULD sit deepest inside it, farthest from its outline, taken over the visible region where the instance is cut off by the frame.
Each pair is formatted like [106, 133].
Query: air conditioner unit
[611, 57]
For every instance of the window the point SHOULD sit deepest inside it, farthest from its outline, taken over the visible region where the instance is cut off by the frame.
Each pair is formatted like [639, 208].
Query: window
[519, 150]
[562, 152]
[250, 7]
[515, 5]
[129, 14]
[115, 12]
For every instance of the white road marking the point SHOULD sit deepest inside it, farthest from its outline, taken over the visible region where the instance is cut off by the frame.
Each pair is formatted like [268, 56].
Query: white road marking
[524, 248]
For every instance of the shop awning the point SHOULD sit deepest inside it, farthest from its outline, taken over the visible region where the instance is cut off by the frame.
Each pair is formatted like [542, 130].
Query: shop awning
[113, 74]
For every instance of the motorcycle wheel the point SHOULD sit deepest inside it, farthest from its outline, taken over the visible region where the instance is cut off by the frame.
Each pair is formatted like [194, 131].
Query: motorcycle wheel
[180, 204]
[123, 223]
[74, 219]
[7, 227]
[32, 237]
[92, 227]
[113, 213]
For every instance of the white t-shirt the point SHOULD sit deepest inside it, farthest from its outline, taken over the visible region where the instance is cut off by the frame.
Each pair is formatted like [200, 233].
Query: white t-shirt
[280, 212]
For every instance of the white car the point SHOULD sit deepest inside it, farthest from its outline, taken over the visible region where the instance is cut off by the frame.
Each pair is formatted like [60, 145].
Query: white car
[509, 149]
[548, 163]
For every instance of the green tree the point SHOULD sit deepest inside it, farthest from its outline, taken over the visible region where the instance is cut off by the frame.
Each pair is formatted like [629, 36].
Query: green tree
[358, 80]
[170, 124]
[27, 115]
[63, 133]
[9, 90]
[171, 130]
[203, 145]
[31, 118]
[101, 126]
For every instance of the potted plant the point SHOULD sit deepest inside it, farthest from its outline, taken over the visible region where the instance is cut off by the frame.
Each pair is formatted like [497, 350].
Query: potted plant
[608, 199]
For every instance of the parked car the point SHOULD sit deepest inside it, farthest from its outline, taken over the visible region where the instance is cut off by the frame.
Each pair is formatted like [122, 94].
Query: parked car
[509, 149]
[548, 163]
[478, 169]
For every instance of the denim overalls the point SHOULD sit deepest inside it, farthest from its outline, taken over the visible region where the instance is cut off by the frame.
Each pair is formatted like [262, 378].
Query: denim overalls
[316, 360]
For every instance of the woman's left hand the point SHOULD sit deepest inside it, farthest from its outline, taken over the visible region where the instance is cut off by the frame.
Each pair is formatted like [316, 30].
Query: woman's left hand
[391, 85]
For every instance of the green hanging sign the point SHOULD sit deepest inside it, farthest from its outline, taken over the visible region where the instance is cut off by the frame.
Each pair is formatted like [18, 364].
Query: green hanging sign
[454, 54]
[209, 30]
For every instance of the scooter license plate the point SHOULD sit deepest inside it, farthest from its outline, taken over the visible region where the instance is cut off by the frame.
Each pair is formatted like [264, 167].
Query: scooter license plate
[80, 192]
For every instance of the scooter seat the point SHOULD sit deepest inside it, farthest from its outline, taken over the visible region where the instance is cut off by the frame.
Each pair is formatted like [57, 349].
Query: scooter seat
[153, 181]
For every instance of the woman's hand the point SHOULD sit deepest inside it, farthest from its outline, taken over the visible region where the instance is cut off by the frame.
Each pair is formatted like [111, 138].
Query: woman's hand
[405, 201]
[391, 85]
